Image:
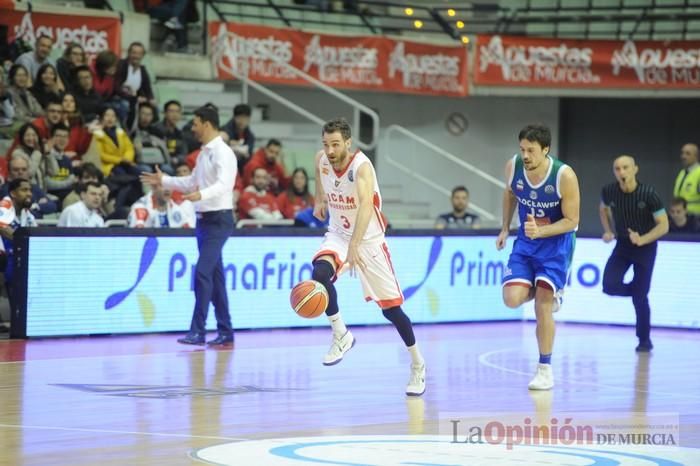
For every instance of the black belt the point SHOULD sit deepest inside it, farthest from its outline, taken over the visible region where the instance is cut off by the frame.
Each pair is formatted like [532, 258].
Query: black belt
[213, 213]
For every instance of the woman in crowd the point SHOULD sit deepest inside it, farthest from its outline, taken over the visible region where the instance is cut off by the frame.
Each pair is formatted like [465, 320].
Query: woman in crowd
[297, 196]
[41, 165]
[73, 57]
[46, 84]
[26, 106]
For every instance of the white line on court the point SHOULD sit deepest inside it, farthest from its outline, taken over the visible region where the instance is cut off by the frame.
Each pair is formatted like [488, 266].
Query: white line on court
[124, 432]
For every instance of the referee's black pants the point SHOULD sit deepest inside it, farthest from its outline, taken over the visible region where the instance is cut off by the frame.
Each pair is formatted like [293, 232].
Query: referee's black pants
[642, 259]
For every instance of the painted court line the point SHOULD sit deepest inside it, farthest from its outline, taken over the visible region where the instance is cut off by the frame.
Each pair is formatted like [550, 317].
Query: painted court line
[124, 432]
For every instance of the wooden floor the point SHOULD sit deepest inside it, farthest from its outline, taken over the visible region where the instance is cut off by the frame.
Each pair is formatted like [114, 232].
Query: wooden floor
[145, 400]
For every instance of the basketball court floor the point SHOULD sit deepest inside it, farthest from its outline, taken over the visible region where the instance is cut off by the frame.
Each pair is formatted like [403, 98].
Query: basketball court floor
[146, 400]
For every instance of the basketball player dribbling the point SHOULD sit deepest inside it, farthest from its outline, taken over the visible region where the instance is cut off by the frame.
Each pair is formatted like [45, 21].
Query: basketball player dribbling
[546, 193]
[347, 191]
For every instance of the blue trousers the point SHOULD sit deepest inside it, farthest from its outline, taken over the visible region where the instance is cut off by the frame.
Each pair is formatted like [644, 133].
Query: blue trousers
[213, 229]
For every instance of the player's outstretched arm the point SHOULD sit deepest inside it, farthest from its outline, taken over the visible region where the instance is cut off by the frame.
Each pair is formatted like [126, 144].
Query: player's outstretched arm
[509, 204]
[570, 206]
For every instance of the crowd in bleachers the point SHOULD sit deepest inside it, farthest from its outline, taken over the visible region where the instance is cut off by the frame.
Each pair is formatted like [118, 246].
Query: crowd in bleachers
[82, 129]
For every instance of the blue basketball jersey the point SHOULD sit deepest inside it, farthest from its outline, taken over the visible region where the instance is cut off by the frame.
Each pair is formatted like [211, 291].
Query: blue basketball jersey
[542, 201]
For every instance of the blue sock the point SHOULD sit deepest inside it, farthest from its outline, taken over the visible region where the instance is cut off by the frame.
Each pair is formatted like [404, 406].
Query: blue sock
[546, 358]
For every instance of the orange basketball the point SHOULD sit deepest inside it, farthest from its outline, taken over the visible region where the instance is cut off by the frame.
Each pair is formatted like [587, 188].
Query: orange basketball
[309, 299]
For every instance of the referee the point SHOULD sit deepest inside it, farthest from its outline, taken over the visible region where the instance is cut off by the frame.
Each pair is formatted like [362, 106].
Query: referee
[640, 219]
[210, 186]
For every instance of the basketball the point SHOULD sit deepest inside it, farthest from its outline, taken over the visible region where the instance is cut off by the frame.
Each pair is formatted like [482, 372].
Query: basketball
[309, 299]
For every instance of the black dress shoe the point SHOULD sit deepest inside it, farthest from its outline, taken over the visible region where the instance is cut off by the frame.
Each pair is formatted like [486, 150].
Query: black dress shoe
[221, 340]
[192, 339]
[644, 346]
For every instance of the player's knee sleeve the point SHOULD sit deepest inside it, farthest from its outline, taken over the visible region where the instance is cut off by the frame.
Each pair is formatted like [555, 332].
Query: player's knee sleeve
[323, 273]
[401, 321]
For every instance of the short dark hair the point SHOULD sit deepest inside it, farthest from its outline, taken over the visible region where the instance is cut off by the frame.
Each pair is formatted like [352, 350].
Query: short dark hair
[80, 68]
[536, 133]
[104, 109]
[136, 44]
[53, 99]
[208, 114]
[13, 185]
[679, 201]
[82, 187]
[13, 71]
[242, 109]
[148, 105]
[273, 142]
[44, 36]
[90, 169]
[459, 188]
[59, 127]
[340, 125]
[171, 102]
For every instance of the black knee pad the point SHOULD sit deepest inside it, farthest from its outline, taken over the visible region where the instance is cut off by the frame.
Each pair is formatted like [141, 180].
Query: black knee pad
[323, 272]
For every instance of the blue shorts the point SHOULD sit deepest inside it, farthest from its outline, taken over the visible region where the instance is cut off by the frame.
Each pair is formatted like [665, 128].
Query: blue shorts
[546, 260]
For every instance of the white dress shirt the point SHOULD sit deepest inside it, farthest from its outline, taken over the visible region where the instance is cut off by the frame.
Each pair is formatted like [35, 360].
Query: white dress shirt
[213, 176]
[78, 215]
[133, 78]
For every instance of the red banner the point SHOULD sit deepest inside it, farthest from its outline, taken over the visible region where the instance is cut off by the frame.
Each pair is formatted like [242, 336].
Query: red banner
[358, 62]
[94, 33]
[530, 62]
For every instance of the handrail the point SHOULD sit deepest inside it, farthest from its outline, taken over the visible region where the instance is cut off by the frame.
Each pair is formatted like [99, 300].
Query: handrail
[251, 222]
[221, 48]
[447, 155]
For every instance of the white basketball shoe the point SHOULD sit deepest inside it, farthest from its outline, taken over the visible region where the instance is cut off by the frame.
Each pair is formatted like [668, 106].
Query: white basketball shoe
[543, 379]
[339, 347]
[416, 383]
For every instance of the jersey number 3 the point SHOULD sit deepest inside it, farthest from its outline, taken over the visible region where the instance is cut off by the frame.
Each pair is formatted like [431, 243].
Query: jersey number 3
[346, 221]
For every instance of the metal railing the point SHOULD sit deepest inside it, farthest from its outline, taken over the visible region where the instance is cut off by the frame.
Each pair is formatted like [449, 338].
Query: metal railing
[386, 154]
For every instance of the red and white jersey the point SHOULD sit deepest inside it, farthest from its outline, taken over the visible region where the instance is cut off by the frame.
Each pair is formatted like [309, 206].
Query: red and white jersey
[341, 193]
[144, 214]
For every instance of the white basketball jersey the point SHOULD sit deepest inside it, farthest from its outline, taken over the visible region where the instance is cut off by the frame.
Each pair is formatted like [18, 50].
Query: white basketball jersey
[343, 200]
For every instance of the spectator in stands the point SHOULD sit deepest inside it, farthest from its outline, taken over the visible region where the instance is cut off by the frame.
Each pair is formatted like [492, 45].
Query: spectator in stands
[183, 170]
[149, 144]
[177, 147]
[175, 14]
[32, 60]
[19, 169]
[86, 173]
[242, 139]
[117, 157]
[133, 81]
[681, 221]
[14, 213]
[73, 57]
[86, 213]
[113, 144]
[32, 148]
[8, 124]
[62, 182]
[268, 157]
[459, 218]
[26, 106]
[86, 97]
[46, 87]
[43, 124]
[103, 71]
[161, 209]
[256, 201]
[80, 137]
[687, 183]
[297, 197]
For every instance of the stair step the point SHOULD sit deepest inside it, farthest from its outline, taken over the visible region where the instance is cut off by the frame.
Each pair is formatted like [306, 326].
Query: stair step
[414, 210]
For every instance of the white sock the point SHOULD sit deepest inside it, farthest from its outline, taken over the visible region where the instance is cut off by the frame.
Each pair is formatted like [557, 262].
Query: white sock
[337, 324]
[416, 357]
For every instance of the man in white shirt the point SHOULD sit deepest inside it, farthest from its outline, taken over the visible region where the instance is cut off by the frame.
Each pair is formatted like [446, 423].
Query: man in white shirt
[210, 186]
[84, 214]
[160, 209]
